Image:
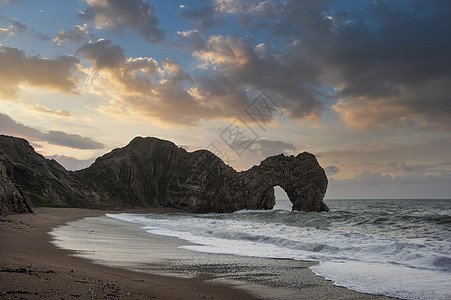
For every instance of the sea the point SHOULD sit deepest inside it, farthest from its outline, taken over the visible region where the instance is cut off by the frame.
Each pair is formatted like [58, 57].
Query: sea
[398, 248]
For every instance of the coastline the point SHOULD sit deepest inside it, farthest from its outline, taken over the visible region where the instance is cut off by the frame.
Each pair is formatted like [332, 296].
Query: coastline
[33, 267]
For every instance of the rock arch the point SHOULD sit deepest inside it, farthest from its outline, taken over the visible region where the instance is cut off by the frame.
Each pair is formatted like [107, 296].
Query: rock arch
[153, 172]
[301, 177]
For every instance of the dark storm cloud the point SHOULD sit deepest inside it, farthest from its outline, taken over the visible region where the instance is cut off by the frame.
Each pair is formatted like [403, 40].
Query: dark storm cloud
[10, 127]
[398, 72]
[389, 62]
[379, 66]
[117, 15]
[288, 74]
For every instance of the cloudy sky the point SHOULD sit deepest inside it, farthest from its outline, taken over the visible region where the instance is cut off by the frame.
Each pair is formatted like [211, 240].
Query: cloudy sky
[364, 85]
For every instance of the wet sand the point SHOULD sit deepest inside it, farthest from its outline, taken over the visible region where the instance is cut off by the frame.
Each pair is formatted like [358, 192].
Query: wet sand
[116, 260]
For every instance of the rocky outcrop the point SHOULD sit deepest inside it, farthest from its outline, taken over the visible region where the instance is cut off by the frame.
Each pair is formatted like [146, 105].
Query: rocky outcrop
[150, 172]
[42, 182]
[301, 177]
[11, 199]
[153, 172]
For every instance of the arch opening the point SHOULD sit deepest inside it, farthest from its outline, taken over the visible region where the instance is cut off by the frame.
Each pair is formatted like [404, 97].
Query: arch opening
[282, 200]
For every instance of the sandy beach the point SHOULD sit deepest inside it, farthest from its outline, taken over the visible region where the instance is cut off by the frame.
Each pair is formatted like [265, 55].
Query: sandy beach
[32, 267]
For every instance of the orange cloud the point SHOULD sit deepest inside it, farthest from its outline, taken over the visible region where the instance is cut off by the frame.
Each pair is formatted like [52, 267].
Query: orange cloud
[45, 110]
[141, 86]
[17, 68]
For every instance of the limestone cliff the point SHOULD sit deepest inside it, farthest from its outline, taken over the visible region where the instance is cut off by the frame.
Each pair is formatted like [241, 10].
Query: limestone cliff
[153, 172]
[11, 199]
[40, 181]
[150, 172]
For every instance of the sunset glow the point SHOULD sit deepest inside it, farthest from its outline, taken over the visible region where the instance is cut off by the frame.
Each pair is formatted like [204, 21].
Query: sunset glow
[364, 85]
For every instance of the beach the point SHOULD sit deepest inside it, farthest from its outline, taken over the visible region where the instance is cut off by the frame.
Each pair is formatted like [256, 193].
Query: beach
[32, 267]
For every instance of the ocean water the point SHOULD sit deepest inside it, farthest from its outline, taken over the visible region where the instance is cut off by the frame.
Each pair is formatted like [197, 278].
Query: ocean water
[399, 248]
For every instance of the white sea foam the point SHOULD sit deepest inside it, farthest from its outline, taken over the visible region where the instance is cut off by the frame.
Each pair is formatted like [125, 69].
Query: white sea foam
[413, 267]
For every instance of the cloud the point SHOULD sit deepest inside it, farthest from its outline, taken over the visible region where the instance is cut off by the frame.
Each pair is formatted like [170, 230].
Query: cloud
[332, 170]
[271, 147]
[45, 110]
[422, 104]
[17, 68]
[145, 88]
[421, 156]
[190, 39]
[392, 75]
[10, 127]
[383, 74]
[435, 168]
[235, 6]
[162, 93]
[17, 28]
[117, 15]
[285, 73]
[103, 54]
[76, 34]
[391, 154]
[71, 140]
[372, 179]
[376, 185]
[204, 17]
[386, 75]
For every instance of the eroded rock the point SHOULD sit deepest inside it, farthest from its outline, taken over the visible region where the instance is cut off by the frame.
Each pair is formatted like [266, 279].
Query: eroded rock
[44, 182]
[11, 198]
[153, 172]
[150, 172]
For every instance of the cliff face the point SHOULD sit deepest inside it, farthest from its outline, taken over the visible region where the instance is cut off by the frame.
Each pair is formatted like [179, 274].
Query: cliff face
[300, 176]
[40, 181]
[153, 172]
[11, 199]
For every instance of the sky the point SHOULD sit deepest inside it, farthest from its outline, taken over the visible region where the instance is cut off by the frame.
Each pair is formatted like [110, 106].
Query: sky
[363, 85]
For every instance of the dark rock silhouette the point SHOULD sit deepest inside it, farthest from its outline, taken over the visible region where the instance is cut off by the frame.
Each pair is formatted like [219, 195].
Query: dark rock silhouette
[300, 176]
[150, 172]
[11, 199]
[42, 182]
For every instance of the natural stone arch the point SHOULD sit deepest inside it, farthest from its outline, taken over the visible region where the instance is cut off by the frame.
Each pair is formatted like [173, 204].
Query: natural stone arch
[301, 177]
[153, 172]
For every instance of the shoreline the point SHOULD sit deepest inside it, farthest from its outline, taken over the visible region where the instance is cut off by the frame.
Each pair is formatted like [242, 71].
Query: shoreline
[32, 267]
